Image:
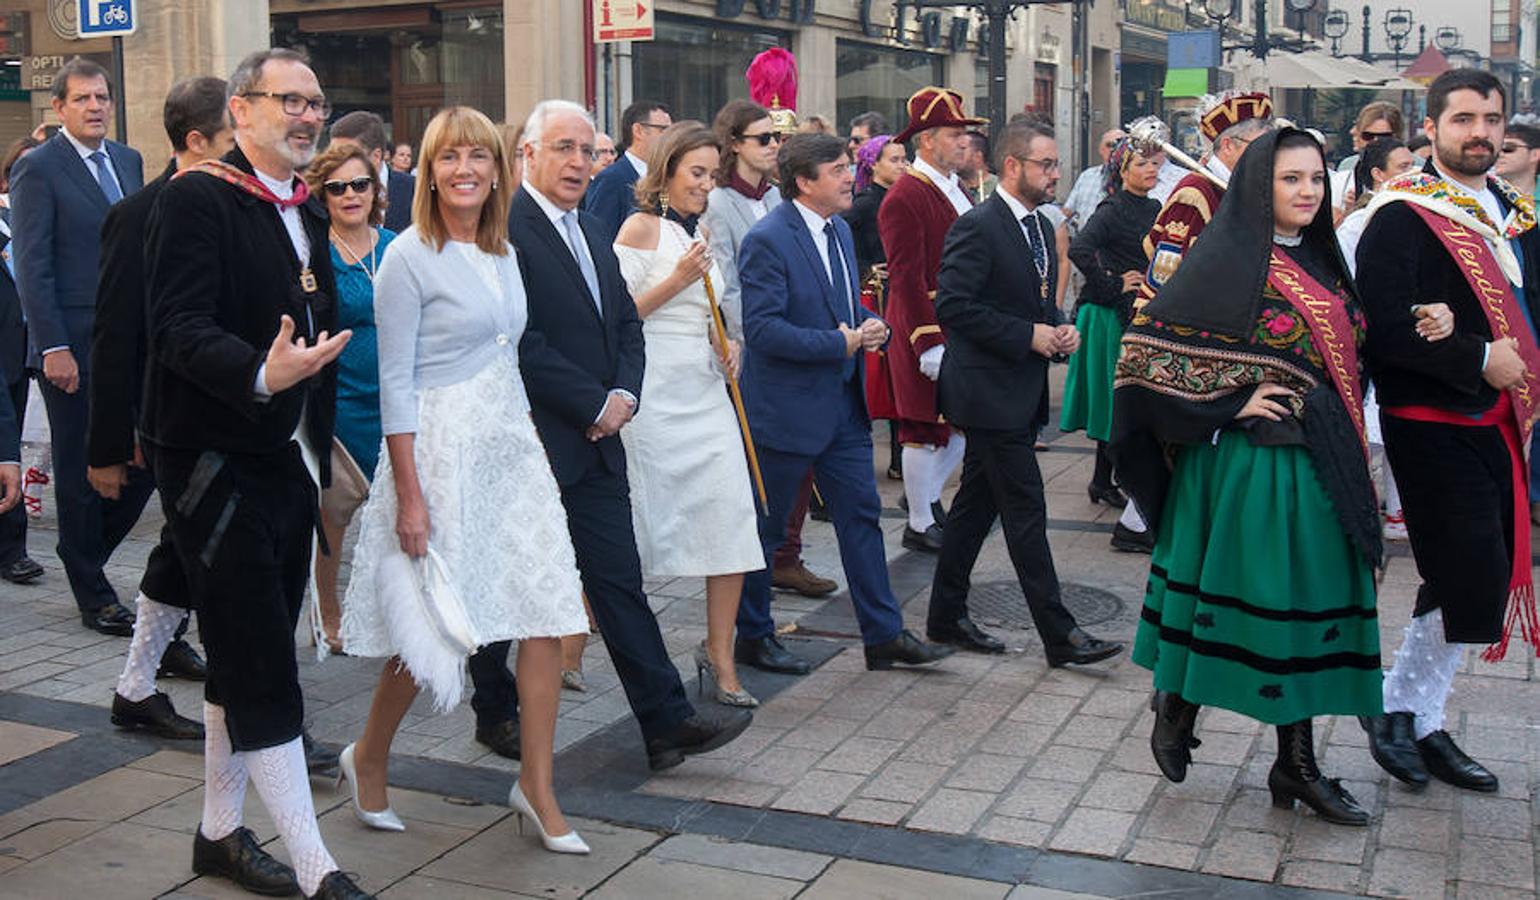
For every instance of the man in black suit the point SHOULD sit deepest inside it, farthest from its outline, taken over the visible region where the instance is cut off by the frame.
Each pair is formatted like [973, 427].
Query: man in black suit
[995, 302]
[582, 359]
[60, 193]
[194, 117]
[15, 566]
[612, 196]
[367, 130]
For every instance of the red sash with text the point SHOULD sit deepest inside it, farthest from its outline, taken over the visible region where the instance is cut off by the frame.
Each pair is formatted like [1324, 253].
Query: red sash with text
[1330, 332]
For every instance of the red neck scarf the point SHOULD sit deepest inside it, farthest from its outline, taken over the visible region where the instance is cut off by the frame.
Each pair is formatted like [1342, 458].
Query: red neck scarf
[248, 182]
[753, 192]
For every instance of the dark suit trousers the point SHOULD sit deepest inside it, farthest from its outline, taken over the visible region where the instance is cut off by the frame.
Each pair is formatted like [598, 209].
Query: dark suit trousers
[844, 473]
[599, 518]
[13, 525]
[1000, 478]
[90, 527]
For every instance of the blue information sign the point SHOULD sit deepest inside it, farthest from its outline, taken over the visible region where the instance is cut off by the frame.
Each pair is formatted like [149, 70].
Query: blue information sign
[107, 18]
[1192, 50]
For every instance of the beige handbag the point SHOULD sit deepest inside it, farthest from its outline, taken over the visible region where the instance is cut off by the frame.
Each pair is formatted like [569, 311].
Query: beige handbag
[348, 491]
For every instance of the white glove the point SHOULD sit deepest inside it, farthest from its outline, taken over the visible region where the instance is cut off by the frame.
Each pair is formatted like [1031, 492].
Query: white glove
[930, 362]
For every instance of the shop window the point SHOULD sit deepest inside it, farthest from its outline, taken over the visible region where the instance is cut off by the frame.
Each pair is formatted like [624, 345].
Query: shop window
[694, 66]
[870, 77]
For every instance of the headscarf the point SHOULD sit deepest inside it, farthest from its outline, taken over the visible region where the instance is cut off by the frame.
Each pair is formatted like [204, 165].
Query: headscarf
[1118, 159]
[866, 159]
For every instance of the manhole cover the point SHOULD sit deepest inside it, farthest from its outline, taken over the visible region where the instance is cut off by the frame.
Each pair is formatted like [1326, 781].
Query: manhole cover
[1001, 603]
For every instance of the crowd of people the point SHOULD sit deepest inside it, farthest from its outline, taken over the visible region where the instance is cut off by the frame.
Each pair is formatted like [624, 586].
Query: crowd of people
[532, 367]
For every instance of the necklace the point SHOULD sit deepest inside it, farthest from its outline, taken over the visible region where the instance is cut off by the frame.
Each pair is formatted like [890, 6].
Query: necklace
[358, 259]
[1288, 240]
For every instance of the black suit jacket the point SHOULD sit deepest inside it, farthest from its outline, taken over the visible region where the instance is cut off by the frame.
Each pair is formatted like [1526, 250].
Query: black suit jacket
[222, 270]
[118, 345]
[400, 190]
[1402, 262]
[13, 329]
[988, 300]
[572, 358]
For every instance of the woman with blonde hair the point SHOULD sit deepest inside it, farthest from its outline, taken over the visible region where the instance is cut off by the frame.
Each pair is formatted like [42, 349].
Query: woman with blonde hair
[464, 540]
[691, 502]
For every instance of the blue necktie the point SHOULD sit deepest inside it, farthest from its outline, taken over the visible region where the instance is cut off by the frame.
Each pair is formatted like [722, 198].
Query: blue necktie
[1034, 229]
[105, 178]
[575, 243]
[837, 273]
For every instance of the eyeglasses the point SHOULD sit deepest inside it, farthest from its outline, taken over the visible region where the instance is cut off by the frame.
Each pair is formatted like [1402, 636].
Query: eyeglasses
[296, 104]
[567, 148]
[764, 140]
[363, 184]
[1375, 135]
[652, 125]
[1515, 148]
[1049, 165]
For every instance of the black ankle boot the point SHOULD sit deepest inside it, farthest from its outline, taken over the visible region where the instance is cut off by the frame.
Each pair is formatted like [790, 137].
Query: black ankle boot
[1295, 776]
[1171, 740]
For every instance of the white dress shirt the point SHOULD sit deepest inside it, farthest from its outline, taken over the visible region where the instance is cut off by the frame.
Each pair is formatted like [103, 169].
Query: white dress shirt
[301, 241]
[816, 224]
[85, 157]
[950, 185]
[637, 163]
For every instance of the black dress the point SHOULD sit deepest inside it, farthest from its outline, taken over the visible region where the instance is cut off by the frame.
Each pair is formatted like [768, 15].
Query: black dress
[862, 219]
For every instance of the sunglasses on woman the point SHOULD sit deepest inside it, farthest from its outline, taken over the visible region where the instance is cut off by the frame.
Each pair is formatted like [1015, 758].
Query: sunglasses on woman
[360, 185]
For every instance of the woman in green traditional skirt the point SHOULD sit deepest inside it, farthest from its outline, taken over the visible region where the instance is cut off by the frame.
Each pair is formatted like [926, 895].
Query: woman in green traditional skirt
[1109, 251]
[1238, 428]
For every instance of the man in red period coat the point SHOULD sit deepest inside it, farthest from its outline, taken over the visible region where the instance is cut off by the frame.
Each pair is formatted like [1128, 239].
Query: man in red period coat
[913, 221]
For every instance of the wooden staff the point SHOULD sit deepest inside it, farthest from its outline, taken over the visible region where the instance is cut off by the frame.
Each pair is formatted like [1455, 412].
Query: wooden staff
[737, 394]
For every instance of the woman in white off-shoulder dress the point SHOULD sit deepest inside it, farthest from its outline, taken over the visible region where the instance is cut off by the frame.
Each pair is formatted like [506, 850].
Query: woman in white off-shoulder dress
[691, 499]
[464, 482]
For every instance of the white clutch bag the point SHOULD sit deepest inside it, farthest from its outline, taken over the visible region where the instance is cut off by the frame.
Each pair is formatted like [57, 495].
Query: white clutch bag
[428, 623]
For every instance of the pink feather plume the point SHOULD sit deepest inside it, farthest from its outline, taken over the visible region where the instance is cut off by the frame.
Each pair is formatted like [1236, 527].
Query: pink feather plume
[772, 79]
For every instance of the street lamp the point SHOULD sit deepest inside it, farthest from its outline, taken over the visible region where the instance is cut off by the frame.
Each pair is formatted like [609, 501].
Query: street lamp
[1219, 11]
[1446, 38]
[1336, 27]
[1398, 26]
[1300, 7]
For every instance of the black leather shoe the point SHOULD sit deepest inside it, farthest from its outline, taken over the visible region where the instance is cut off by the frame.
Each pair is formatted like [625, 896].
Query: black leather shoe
[927, 541]
[906, 649]
[1394, 747]
[156, 715]
[938, 512]
[1106, 493]
[238, 857]
[1449, 764]
[696, 734]
[1131, 541]
[1171, 740]
[501, 737]
[181, 661]
[111, 619]
[1080, 649]
[318, 756]
[337, 886]
[22, 571]
[965, 635]
[1295, 776]
[770, 655]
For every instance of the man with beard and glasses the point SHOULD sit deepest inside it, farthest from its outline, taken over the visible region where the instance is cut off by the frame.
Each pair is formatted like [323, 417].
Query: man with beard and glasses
[240, 400]
[995, 299]
[1455, 412]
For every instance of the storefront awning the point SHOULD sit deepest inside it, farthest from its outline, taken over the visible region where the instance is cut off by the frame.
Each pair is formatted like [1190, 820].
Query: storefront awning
[1313, 69]
[1185, 83]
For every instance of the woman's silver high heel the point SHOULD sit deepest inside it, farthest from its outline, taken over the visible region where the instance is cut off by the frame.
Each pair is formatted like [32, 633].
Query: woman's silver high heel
[570, 842]
[384, 820]
[703, 667]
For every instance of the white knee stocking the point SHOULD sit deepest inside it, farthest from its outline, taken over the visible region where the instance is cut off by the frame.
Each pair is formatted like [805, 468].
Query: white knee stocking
[1423, 675]
[224, 777]
[284, 784]
[154, 626]
[1131, 518]
[919, 474]
[948, 460]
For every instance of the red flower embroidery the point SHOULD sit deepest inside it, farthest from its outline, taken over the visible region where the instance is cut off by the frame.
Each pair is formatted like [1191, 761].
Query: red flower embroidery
[1280, 324]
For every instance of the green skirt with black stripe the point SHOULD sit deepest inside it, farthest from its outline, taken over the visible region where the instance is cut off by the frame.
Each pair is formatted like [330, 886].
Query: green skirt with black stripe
[1257, 602]
[1088, 383]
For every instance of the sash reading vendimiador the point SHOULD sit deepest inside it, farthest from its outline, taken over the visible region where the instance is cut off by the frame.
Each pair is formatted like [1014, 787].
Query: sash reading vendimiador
[1330, 332]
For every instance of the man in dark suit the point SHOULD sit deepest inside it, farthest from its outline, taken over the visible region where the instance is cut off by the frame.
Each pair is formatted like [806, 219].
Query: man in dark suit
[15, 566]
[803, 387]
[60, 193]
[612, 195]
[582, 360]
[995, 301]
[367, 130]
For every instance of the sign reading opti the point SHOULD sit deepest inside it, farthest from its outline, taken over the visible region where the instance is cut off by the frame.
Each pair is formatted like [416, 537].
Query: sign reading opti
[622, 20]
[107, 18]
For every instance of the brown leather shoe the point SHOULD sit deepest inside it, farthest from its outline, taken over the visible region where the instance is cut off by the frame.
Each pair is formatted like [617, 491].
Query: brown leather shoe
[798, 578]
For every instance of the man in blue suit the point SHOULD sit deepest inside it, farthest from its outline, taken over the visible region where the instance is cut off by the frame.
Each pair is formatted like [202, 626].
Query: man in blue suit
[15, 566]
[611, 195]
[60, 193]
[803, 385]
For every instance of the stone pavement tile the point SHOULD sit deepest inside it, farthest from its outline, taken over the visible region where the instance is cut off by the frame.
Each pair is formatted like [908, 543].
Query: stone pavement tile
[821, 684]
[1436, 796]
[120, 860]
[86, 807]
[1324, 876]
[421, 806]
[742, 857]
[1494, 817]
[1162, 853]
[1496, 743]
[1214, 719]
[185, 764]
[417, 887]
[818, 793]
[1181, 821]
[779, 765]
[849, 878]
[741, 793]
[855, 704]
[1320, 841]
[26, 656]
[898, 723]
[1043, 709]
[1010, 738]
[1252, 855]
[1206, 782]
[28, 674]
[1132, 754]
[1472, 890]
[1504, 863]
[944, 745]
[1094, 732]
[986, 772]
[1039, 799]
[1126, 791]
[694, 781]
[1413, 828]
[1060, 763]
[1408, 873]
[748, 744]
[1225, 748]
[820, 732]
[951, 811]
[659, 879]
[183, 812]
[1033, 892]
[1115, 704]
[860, 755]
[18, 740]
[1071, 684]
[785, 712]
[1098, 832]
[1253, 810]
[877, 812]
[1021, 832]
[500, 859]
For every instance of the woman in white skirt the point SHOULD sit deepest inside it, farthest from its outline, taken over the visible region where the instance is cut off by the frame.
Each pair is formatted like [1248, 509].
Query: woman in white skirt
[691, 502]
[463, 540]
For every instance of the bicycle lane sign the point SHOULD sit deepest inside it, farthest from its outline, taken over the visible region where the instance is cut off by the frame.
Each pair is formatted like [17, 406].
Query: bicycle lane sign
[107, 18]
